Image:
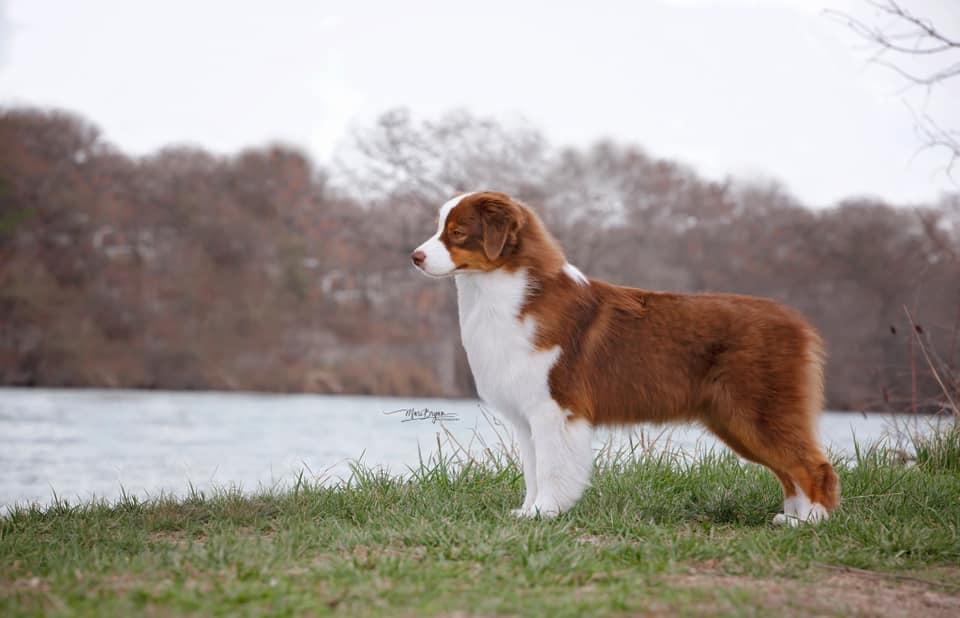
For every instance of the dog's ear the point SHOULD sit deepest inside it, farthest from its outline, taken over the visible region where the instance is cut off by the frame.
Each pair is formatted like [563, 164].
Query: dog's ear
[501, 219]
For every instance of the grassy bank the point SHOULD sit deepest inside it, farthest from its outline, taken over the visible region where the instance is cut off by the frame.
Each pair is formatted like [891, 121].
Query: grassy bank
[652, 536]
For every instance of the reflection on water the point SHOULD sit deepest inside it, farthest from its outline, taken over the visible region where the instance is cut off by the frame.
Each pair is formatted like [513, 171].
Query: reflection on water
[79, 443]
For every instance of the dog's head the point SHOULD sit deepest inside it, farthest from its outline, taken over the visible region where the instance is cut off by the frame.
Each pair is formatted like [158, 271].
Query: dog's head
[476, 232]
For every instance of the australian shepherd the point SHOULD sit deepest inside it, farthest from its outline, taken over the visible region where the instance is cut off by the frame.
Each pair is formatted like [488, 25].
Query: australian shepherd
[558, 354]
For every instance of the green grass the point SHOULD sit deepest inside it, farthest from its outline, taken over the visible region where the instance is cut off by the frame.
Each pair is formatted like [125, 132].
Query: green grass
[939, 450]
[652, 536]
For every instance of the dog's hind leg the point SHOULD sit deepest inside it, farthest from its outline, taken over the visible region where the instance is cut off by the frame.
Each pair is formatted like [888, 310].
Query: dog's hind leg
[564, 459]
[817, 490]
[789, 446]
[742, 445]
[789, 449]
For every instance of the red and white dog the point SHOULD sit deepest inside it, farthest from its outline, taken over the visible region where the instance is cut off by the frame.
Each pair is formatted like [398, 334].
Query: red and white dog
[559, 354]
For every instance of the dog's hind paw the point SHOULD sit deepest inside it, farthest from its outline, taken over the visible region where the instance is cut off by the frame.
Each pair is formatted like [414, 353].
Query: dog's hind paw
[816, 515]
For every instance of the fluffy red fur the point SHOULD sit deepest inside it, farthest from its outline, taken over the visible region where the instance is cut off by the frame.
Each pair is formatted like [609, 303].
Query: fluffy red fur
[749, 369]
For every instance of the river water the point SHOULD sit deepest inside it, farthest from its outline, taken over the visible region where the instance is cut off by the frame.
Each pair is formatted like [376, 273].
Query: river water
[83, 443]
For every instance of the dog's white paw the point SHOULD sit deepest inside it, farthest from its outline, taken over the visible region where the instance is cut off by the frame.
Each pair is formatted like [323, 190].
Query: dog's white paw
[536, 511]
[545, 510]
[782, 519]
[815, 515]
[526, 510]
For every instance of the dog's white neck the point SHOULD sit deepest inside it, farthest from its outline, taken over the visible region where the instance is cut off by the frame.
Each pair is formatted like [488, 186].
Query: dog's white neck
[498, 343]
[498, 293]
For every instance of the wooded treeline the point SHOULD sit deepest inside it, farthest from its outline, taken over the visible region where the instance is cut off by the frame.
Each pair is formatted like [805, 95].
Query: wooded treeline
[263, 271]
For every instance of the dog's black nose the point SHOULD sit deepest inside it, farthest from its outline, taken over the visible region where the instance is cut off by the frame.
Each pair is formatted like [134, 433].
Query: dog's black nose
[418, 257]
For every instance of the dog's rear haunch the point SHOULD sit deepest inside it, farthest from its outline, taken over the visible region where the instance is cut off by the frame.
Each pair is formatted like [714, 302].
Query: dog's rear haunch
[558, 354]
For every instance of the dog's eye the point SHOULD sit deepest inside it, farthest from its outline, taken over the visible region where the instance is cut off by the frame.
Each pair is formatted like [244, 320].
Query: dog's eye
[457, 234]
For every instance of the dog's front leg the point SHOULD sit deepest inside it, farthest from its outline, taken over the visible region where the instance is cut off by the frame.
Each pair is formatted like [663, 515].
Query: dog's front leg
[564, 459]
[529, 463]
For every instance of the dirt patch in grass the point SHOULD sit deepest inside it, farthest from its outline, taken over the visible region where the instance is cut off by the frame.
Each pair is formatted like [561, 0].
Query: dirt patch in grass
[24, 584]
[841, 593]
[198, 538]
[176, 537]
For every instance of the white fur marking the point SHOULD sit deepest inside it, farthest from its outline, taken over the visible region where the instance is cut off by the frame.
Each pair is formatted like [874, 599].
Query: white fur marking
[446, 208]
[564, 459]
[528, 461]
[574, 273]
[438, 262]
[798, 509]
[512, 376]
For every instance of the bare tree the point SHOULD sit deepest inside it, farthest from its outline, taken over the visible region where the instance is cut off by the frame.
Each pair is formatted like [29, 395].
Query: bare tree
[921, 52]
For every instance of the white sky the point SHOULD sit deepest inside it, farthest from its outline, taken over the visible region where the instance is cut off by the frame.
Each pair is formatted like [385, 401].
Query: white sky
[763, 88]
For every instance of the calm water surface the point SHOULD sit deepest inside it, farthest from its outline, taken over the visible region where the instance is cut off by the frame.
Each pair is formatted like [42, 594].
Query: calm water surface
[83, 443]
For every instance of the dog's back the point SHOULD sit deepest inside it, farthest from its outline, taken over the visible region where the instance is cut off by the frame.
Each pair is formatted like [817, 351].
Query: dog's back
[632, 355]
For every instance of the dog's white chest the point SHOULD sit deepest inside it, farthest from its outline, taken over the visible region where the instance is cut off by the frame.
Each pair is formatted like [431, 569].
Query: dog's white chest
[510, 373]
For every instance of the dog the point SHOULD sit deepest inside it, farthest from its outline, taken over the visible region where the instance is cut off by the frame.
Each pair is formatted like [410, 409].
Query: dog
[559, 354]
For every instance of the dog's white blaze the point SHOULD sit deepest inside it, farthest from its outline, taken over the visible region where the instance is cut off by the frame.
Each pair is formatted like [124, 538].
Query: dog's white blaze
[512, 376]
[798, 509]
[438, 262]
[446, 208]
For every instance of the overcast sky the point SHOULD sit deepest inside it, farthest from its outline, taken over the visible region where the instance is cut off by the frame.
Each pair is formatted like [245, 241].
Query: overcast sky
[754, 88]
